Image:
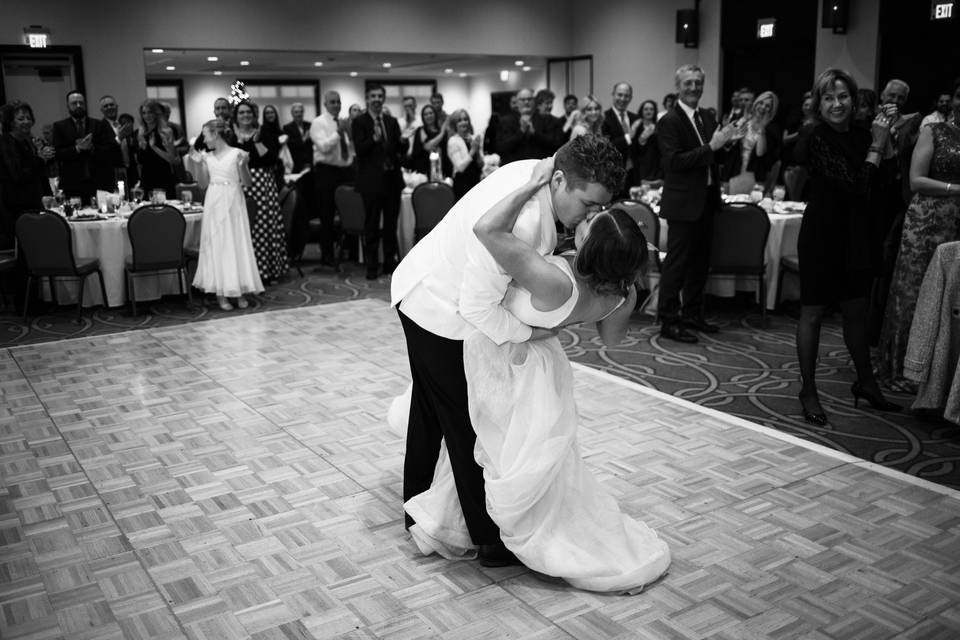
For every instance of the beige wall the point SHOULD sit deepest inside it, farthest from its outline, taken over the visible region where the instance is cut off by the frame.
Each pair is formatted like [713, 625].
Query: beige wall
[856, 50]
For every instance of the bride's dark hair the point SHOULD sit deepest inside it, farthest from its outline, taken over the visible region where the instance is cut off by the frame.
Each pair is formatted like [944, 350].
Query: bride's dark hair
[614, 253]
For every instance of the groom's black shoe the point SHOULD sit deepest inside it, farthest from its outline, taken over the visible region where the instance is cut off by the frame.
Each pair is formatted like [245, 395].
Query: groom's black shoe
[676, 331]
[496, 555]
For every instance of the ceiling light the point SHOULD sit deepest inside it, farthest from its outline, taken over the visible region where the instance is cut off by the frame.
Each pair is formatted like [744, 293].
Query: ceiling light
[504, 75]
[353, 74]
[218, 73]
[519, 63]
[244, 63]
[171, 68]
[212, 58]
[387, 65]
[156, 50]
[448, 70]
[526, 68]
[318, 64]
[463, 75]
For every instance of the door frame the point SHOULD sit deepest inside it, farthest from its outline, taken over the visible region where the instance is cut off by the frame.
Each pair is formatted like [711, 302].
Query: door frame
[74, 52]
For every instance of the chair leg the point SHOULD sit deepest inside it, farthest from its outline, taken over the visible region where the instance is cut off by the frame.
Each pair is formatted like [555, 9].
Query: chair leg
[53, 290]
[83, 283]
[103, 290]
[763, 303]
[26, 296]
[183, 274]
[132, 293]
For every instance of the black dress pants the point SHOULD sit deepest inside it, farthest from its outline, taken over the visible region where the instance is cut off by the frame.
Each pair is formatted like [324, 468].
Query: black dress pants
[381, 201]
[683, 274]
[327, 178]
[438, 409]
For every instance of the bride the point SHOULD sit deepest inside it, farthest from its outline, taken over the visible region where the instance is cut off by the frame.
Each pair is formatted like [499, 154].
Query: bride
[552, 512]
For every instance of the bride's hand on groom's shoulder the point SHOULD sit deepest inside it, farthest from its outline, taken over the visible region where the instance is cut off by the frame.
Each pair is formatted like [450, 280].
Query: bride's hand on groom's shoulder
[542, 172]
[540, 333]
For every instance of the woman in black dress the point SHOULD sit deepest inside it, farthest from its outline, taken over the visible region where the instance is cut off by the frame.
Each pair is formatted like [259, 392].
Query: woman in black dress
[645, 152]
[836, 261]
[428, 138]
[269, 238]
[156, 151]
[271, 121]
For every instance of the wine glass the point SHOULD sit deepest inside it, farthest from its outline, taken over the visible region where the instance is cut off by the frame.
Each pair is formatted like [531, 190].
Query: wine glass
[186, 197]
[137, 194]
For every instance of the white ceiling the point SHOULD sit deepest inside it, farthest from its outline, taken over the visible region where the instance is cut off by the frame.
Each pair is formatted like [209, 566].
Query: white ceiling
[302, 63]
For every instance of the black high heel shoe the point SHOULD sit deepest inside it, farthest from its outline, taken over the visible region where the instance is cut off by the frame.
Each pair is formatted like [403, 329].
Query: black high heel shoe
[818, 419]
[876, 401]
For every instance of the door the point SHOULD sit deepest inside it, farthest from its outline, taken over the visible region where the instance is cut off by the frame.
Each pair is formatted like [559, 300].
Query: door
[42, 78]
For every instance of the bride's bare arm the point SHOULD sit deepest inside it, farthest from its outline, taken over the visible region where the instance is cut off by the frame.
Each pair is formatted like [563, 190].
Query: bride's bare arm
[546, 283]
[613, 328]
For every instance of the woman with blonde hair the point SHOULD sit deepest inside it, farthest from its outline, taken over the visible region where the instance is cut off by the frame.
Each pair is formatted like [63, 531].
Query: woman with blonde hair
[463, 149]
[591, 117]
[751, 157]
[156, 150]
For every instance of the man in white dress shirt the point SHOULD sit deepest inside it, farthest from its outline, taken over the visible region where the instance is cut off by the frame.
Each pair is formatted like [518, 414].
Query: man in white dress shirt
[449, 286]
[333, 155]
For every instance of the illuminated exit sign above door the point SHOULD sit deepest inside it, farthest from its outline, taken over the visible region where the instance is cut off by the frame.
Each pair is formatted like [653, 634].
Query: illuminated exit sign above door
[940, 10]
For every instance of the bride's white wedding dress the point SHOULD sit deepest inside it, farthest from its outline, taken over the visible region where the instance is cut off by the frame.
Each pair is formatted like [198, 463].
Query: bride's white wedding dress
[552, 512]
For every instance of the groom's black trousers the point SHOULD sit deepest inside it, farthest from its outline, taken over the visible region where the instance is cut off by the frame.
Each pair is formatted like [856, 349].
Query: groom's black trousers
[438, 409]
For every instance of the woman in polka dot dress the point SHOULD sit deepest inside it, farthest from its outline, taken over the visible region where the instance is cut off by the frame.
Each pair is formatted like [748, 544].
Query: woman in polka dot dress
[269, 240]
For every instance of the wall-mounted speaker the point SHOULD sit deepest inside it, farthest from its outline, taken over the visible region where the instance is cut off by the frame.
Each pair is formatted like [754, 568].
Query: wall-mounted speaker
[835, 14]
[688, 31]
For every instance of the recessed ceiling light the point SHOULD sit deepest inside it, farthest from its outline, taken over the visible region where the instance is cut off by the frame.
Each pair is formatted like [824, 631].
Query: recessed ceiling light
[244, 63]
[463, 75]
[526, 68]
[171, 68]
[212, 58]
[448, 70]
[504, 75]
[353, 74]
[387, 65]
[519, 63]
[318, 64]
[218, 73]
[157, 50]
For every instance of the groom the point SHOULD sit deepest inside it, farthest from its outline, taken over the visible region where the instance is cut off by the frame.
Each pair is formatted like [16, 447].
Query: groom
[449, 286]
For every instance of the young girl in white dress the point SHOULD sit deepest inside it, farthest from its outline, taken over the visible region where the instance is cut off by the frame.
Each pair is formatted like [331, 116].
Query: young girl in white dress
[227, 265]
[551, 510]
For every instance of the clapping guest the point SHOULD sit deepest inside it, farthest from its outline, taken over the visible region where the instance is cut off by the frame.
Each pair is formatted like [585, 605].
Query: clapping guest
[463, 149]
[669, 101]
[298, 138]
[646, 155]
[547, 128]
[156, 152]
[751, 157]
[866, 108]
[23, 165]
[262, 146]
[223, 112]
[570, 115]
[429, 138]
[271, 122]
[932, 218]
[86, 151]
[591, 118]
[941, 111]
[836, 261]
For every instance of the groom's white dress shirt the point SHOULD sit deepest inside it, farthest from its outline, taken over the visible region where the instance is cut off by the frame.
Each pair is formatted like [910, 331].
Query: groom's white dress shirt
[450, 285]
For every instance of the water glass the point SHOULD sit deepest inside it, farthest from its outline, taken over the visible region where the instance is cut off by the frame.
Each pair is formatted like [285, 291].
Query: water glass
[779, 193]
[158, 196]
[49, 202]
[137, 194]
[186, 197]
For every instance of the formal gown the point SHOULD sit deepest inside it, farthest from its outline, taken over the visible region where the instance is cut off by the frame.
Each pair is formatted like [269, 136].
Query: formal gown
[929, 222]
[227, 265]
[551, 510]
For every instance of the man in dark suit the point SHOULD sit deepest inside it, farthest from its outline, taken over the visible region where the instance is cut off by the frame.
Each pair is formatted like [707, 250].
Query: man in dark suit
[86, 150]
[690, 143]
[515, 132]
[547, 128]
[298, 139]
[376, 137]
[617, 121]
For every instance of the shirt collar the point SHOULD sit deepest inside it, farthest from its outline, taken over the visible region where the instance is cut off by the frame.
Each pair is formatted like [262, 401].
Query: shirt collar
[687, 109]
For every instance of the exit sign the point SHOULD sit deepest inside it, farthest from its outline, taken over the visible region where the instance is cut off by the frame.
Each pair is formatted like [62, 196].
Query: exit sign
[940, 10]
[766, 28]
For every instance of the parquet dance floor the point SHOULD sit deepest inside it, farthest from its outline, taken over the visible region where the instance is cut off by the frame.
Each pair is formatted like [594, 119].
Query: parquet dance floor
[236, 479]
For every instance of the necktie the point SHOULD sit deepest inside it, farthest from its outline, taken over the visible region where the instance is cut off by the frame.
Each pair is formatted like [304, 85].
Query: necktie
[387, 161]
[379, 125]
[699, 122]
[344, 152]
[81, 129]
[625, 122]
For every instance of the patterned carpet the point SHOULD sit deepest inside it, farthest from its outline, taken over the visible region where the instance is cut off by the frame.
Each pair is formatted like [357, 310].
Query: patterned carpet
[744, 370]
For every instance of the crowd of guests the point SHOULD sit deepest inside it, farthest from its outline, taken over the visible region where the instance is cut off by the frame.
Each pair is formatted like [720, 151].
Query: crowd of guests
[882, 185]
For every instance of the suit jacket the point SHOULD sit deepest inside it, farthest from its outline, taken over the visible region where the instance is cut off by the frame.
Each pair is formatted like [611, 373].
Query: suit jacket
[83, 172]
[515, 144]
[373, 156]
[613, 129]
[686, 163]
[300, 145]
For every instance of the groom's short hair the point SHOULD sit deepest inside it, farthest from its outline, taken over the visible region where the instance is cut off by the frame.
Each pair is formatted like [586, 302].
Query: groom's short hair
[591, 159]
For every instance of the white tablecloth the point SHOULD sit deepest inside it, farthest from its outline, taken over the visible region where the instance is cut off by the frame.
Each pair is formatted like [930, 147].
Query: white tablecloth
[107, 240]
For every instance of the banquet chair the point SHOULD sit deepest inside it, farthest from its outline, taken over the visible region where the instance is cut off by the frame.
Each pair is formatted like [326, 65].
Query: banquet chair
[788, 264]
[795, 179]
[156, 240]
[350, 208]
[288, 206]
[194, 188]
[431, 202]
[650, 226]
[739, 242]
[46, 241]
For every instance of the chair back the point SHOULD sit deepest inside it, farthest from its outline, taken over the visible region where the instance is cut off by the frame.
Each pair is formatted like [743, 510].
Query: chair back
[195, 190]
[795, 179]
[156, 237]
[644, 216]
[288, 205]
[431, 202]
[739, 239]
[46, 242]
[350, 207]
